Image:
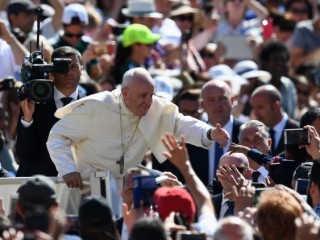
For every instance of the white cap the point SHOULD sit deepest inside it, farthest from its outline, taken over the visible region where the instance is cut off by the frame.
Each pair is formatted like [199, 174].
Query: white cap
[75, 10]
[225, 73]
[164, 87]
[249, 69]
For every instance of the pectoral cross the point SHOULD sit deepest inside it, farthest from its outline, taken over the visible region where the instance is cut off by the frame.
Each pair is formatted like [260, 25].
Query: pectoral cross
[121, 163]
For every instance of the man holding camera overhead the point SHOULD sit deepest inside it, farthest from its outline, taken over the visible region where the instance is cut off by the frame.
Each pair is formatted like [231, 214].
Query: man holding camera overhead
[38, 119]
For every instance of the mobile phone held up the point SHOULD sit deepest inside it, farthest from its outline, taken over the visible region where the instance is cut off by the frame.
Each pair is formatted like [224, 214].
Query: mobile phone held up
[143, 189]
[298, 136]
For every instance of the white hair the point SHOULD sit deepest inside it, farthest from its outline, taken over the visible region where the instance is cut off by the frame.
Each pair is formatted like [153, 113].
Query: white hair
[135, 74]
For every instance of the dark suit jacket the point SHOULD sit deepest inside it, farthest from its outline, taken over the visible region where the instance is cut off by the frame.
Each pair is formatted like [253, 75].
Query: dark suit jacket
[31, 142]
[217, 201]
[119, 224]
[199, 158]
[291, 123]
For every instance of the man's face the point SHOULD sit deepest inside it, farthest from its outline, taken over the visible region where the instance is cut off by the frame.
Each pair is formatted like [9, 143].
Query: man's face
[73, 33]
[190, 108]
[24, 21]
[69, 80]
[147, 21]
[253, 138]
[217, 104]
[263, 109]
[277, 64]
[138, 96]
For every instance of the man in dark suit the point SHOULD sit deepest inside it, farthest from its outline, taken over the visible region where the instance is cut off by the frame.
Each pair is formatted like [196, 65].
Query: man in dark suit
[38, 119]
[217, 103]
[266, 102]
[224, 206]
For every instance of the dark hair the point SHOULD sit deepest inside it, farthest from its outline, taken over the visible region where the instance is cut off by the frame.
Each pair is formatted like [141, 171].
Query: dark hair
[122, 55]
[66, 51]
[270, 48]
[285, 22]
[147, 228]
[307, 4]
[315, 174]
[310, 116]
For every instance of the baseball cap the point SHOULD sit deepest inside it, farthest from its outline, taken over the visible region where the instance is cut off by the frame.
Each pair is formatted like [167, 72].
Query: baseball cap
[17, 6]
[138, 33]
[94, 211]
[39, 190]
[174, 199]
[75, 10]
[249, 69]
[141, 8]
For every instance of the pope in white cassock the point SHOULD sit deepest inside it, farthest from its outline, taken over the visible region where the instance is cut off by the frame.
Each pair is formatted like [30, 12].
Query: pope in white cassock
[112, 130]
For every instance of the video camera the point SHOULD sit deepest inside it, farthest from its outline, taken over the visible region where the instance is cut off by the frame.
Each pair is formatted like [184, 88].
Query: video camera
[35, 73]
[35, 77]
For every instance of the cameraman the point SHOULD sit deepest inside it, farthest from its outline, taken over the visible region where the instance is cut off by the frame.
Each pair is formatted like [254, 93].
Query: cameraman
[38, 119]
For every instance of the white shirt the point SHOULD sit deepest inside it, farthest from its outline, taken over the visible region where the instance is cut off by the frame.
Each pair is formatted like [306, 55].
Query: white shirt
[228, 127]
[57, 96]
[8, 68]
[224, 206]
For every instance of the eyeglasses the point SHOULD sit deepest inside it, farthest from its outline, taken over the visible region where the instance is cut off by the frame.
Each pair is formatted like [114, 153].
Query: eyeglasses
[184, 18]
[299, 10]
[72, 35]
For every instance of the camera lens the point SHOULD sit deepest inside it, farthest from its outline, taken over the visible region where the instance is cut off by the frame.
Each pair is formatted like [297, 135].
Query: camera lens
[41, 90]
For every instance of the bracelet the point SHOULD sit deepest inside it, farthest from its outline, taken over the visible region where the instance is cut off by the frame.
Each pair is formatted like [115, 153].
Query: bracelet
[209, 134]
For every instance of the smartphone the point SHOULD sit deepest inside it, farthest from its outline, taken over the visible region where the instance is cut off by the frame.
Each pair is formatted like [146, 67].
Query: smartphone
[143, 189]
[298, 136]
[73, 224]
[302, 186]
[186, 235]
[107, 47]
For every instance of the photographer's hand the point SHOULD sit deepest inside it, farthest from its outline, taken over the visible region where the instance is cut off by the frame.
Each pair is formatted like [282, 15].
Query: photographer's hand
[314, 147]
[73, 180]
[27, 107]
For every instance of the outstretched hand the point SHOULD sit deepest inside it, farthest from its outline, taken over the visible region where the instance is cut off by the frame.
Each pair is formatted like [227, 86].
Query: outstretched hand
[220, 135]
[176, 152]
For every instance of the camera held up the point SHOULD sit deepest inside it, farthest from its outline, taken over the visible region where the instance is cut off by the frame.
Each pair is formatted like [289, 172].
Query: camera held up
[35, 73]
[35, 77]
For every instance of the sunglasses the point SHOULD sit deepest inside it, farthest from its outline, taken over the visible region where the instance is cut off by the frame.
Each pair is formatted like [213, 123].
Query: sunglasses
[71, 35]
[184, 18]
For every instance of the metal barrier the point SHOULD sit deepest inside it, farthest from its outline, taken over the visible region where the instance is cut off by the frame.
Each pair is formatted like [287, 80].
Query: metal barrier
[101, 183]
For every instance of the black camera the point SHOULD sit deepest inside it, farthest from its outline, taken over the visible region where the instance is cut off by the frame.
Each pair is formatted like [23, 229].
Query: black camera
[35, 77]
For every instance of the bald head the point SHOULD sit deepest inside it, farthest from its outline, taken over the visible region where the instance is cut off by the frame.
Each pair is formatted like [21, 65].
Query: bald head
[236, 159]
[269, 91]
[216, 83]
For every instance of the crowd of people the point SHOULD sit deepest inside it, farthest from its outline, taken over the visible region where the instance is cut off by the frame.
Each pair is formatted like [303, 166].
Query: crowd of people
[217, 99]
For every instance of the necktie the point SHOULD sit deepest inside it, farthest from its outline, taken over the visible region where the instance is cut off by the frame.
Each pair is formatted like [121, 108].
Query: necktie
[217, 155]
[255, 176]
[273, 146]
[230, 209]
[66, 100]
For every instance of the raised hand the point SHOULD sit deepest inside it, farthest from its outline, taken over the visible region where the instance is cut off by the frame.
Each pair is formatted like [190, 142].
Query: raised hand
[220, 135]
